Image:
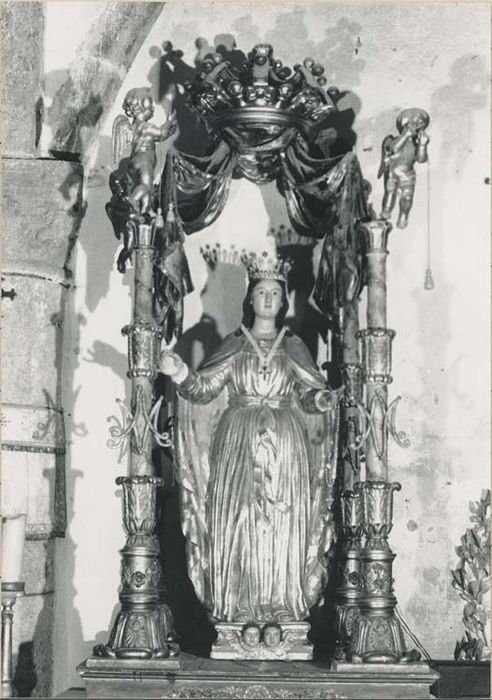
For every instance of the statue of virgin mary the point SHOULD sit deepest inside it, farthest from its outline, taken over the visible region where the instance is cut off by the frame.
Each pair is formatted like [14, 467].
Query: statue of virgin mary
[256, 449]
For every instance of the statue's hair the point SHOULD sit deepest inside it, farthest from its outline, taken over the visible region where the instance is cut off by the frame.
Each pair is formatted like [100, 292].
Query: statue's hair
[248, 311]
[138, 95]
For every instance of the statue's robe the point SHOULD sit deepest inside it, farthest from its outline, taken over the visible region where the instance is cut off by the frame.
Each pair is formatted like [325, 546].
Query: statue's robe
[256, 461]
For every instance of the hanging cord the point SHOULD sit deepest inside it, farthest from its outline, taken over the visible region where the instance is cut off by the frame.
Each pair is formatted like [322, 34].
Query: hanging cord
[411, 635]
[429, 280]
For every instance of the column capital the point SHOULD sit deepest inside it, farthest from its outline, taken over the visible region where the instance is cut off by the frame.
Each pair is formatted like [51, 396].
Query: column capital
[376, 234]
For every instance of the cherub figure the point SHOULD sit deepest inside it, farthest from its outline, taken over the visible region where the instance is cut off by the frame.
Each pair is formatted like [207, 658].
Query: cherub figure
[399, 154]
[137, 130]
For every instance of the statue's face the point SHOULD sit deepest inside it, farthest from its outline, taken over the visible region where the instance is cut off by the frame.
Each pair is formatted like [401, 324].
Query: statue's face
[272, 636]
[251, 636]
[267, 299]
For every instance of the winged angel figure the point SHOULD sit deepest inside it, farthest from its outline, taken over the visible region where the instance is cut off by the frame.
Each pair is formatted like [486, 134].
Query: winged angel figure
[398, 157]
[134, 141]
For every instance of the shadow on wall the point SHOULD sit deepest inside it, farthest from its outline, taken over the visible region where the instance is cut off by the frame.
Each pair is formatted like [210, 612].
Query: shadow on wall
[68, 134]
[98, 240]
[452, 110]
[435, 459]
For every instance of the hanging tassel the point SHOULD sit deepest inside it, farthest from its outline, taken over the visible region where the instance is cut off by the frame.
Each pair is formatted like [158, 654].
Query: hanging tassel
[429, 280]
[170, 216]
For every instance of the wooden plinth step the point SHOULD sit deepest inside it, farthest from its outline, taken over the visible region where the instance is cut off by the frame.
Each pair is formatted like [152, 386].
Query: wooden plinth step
[213, 678]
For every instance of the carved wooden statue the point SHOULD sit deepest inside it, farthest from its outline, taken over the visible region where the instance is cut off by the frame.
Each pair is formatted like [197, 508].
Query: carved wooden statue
[134, 152]
[136, 129]
[399, 154]
[256, 477]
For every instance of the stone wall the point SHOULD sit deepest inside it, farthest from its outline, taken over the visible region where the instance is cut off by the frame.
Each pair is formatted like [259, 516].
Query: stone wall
[41, 207]
[47, 134]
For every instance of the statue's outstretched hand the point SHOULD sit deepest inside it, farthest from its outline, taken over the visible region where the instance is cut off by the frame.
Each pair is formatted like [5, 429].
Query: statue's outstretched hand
[173, 366]
[328, 399]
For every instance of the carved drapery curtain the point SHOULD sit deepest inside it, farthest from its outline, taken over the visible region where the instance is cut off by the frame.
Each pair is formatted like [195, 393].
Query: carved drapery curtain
[325, 199]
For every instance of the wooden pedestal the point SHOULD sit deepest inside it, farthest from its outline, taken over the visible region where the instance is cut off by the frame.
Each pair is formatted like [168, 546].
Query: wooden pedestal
[207, 678]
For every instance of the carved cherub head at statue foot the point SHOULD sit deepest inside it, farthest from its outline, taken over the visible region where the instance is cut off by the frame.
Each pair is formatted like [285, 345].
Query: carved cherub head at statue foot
[251, 635]
[272, 635]
[415, 119]
[138, 104]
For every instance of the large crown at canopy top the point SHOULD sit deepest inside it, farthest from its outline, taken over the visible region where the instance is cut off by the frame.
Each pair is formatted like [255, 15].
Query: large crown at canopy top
[261, 92]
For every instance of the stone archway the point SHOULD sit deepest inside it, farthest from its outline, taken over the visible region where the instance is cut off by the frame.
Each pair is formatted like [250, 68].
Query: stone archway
[81, 104]
[43, 207]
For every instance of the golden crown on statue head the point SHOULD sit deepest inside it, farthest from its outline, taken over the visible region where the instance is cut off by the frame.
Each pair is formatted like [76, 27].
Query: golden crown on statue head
[265, 266]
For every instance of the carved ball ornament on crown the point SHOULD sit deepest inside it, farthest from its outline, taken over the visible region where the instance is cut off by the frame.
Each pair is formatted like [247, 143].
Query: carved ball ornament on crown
[262, 99]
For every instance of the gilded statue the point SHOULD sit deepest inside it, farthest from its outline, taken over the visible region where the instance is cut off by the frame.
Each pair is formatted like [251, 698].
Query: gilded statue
[136, 129]
[134, 141]
[398, 157]
[255, 446]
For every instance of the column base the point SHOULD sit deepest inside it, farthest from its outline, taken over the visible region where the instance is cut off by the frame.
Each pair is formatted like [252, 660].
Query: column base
[140, 635]
[378, 639]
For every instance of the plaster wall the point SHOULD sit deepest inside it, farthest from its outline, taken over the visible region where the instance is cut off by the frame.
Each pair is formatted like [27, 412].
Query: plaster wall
[386, 57]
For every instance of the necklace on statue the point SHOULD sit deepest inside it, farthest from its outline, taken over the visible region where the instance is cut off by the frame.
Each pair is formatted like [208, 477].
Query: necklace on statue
[263, 358]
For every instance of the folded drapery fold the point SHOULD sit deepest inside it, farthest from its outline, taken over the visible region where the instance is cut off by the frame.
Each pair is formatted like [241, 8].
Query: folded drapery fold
[326, 198]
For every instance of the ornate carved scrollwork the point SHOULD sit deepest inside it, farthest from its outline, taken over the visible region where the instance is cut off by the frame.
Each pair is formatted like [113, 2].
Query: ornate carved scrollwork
[129, 428]
[256, 690]
[379, 436]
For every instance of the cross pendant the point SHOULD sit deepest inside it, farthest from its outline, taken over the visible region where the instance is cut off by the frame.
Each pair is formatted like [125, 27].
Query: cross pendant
[264, 372]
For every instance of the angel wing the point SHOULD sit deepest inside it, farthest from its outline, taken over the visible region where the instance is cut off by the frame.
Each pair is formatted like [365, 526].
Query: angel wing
[121, 139]
[385, 153]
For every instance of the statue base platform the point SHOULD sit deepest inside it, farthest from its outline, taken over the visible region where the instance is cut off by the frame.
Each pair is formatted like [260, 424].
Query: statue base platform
[262, 641]
[213, 678]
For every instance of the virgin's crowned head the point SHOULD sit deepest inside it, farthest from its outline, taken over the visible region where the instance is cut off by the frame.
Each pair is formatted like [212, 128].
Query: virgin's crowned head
[265, 298]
